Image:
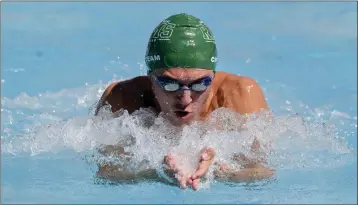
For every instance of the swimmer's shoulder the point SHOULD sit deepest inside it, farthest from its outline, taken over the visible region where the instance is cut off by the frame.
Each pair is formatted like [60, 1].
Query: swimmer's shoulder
[228, 81]
[125, 94]
[241, 93]
[136, 84]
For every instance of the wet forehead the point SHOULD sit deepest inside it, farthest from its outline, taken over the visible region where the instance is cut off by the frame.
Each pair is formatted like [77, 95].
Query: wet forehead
[186, 74]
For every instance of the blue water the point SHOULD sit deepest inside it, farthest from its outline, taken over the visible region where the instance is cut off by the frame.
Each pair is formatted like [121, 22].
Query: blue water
[56, 59]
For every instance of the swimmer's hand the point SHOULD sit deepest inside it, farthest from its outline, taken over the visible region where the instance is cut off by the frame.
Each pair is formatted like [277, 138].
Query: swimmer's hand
[172, 170]
[206, 159]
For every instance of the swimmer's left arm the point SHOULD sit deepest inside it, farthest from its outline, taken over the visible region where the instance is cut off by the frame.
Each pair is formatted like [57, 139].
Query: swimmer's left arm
[254, 102]
[245, 96]
[252, 169]
[225, 173]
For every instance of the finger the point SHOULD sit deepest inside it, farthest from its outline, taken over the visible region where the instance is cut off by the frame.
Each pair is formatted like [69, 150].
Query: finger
[182, 184]
[170, 168]
[195, 184]
[206, 158]
[202, 169]
[182, 180]
[189, 181]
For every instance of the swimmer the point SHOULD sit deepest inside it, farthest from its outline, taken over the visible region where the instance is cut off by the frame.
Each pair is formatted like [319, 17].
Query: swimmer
[183, 84]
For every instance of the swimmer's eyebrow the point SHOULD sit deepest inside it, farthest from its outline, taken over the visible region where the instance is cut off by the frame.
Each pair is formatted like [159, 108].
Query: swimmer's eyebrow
[168, 77]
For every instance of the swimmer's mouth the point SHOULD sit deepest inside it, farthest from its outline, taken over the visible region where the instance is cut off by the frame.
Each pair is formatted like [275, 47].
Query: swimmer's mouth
[182, 114]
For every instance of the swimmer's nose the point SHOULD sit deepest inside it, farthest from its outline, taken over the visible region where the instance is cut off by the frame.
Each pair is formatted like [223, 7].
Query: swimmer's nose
[184, 97]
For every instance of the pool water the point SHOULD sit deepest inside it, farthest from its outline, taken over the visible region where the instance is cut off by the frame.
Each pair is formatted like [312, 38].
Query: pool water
[57, 58]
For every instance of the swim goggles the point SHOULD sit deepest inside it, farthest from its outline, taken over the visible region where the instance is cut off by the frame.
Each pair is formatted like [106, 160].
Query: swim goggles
[172, 85]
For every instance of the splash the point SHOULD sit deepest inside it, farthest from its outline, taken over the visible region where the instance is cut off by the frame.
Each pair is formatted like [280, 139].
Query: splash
[292, 141]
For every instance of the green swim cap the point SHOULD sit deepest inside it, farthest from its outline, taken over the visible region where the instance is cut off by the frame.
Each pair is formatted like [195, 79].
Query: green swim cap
[183, 41]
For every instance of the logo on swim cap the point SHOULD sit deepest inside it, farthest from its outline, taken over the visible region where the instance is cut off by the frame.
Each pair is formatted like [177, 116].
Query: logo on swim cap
[207, 35]
[183, 41]
[163, 32]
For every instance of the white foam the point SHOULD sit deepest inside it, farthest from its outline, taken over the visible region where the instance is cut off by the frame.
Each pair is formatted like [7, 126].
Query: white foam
[49, 122]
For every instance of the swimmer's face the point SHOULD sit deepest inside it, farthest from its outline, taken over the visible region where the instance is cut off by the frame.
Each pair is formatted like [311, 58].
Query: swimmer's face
[181, 93]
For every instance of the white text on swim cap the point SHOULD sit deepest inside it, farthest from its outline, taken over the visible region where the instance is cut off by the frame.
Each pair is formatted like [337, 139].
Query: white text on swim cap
[152, 58]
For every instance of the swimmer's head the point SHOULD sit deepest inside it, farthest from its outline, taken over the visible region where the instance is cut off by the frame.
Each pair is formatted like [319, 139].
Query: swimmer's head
[181, 40]
[181, 59]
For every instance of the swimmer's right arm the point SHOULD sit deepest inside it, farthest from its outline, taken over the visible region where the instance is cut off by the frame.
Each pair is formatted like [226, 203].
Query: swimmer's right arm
[116, 172]
[113, 96]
